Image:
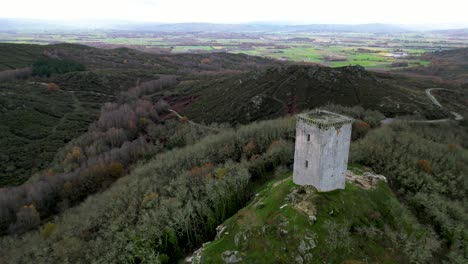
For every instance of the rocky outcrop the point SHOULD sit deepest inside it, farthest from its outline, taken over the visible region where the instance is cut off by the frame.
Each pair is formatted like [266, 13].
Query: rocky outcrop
[301, 198]
[367, 180]
[231, 256]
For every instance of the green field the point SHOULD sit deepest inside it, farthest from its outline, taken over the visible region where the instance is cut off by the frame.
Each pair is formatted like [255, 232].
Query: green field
[330, 49]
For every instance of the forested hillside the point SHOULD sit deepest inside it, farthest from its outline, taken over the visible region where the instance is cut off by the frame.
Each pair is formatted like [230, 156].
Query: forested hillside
[51, 94]
[169, 205]
[447, 65]
[106, 170]
[279, 91]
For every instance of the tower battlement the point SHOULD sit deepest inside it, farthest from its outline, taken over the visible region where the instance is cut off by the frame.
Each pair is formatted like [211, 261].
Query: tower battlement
[324, 119]
[322, 149]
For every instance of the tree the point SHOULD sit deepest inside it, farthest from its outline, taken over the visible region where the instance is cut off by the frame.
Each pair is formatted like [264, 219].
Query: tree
[116, 170]
[360, 129]
[425, 165]
[27, 218]
[47, 67]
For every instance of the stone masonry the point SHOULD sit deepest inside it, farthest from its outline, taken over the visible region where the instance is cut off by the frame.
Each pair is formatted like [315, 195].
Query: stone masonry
[322, 149]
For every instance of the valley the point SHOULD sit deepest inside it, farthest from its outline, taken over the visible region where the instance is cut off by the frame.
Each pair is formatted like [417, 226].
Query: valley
[373, 47]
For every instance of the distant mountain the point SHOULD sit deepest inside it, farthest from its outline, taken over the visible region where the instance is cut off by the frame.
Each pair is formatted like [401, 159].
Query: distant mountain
[33, 25]
[261, 27]
[462, 32]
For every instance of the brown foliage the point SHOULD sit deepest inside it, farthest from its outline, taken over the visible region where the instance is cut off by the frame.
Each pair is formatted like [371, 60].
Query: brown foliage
[274, 144]
[425, 165]
[75, 155]
[53, 87]
[452, 146]
[50, 172]
[249, 148]
[360, 129]
[206, 61]
[184, 119]
[202, 170]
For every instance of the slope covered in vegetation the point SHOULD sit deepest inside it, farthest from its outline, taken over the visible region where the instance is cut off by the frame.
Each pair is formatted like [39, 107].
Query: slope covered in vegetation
[52, 93]
[168, 206]
[427, 167]
[287, 223]
[279, 91]
[16, 56]
[164, 208]
[449, 65]
[139, 187]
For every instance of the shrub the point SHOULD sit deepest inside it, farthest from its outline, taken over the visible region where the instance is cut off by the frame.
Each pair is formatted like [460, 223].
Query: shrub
[53, 87]
[48, 229]
[184, 119]
[249, 149]
[359, 130]
[27, 218]
[15, 74]
[424, 165]
[435, 188]
[127, 222]
[116, 170]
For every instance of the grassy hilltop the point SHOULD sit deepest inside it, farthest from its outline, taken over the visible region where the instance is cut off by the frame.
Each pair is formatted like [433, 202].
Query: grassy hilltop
[347, 226]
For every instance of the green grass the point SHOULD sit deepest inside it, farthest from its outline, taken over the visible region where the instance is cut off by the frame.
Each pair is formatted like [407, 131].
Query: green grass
[191, 48]
[318, 55]
[352, 208]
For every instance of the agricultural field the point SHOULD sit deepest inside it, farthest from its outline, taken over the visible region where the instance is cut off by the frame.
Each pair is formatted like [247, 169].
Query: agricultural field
[370, 50]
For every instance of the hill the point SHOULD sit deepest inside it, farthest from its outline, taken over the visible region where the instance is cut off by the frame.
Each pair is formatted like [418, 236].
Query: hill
[279, 91]
[447, 65]
[461, 32]
[288, 223]
[40, 113]
[142, 185]
[22, 55]
[214, 87]
[172, 202]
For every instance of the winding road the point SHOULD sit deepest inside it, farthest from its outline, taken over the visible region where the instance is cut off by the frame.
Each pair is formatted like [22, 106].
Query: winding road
[457, 116]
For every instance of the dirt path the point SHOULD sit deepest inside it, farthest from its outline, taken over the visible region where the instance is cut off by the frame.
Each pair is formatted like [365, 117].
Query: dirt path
[76, 106]
[190, 121]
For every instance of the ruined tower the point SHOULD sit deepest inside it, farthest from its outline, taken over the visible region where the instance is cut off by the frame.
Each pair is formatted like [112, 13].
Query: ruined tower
[322, 149]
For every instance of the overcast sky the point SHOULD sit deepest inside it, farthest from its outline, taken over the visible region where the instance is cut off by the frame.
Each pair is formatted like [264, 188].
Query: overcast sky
[432, 12]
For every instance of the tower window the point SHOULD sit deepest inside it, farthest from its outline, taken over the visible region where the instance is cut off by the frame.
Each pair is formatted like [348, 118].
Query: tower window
[307, 164]
[308, 137]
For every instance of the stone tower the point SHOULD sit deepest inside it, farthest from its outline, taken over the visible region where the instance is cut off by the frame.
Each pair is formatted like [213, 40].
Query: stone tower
[322, 149]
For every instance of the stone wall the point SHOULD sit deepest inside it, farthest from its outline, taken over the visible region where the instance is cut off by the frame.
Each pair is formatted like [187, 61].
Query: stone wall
[321, 155]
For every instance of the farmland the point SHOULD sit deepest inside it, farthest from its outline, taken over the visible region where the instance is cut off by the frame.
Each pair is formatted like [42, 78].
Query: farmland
[370, 50]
